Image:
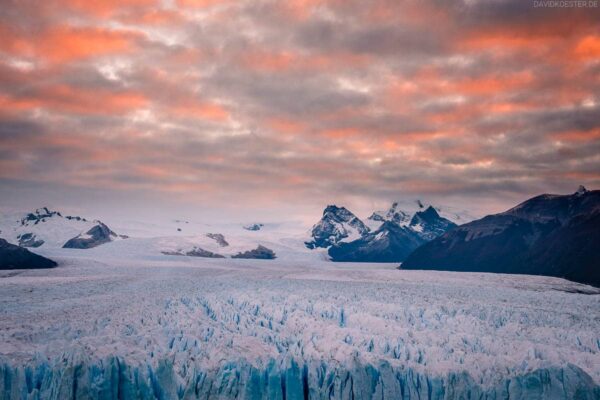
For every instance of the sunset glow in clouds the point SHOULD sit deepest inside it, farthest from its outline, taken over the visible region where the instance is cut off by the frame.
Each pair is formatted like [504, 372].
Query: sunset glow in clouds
[288, 105]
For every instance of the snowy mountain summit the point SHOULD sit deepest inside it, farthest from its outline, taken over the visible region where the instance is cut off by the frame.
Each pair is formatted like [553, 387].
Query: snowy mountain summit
[337, 224]
[393, 214]
[52, 229]
[401, 212]
[96, 236]
[387, 236]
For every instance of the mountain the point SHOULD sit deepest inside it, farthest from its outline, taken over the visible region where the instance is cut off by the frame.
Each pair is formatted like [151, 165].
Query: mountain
[336, 224]
[393, 214]
[97, 235]
[261, 253]
[15, 257]
[390, 243]
[392, 235]
[195, 252]
[253, 227]
[429, 224]
[52, 229]
[402, 212]
[554, 235]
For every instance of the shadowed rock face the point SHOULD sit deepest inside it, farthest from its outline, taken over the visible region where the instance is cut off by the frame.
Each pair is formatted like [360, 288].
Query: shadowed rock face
[39, 215]
[44, 214]
[195, 252]
[389, 243]
[219, 238]
[96, 236]
[29, 240]
[253, 227]
[429, 224]
[547, 235]
[15, 257]
[261, 252]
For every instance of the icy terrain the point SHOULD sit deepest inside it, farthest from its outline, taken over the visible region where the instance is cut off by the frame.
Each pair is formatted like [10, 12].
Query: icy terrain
[168, 327]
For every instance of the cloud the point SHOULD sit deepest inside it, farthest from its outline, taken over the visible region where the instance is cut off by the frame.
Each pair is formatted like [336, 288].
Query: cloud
[303, 102]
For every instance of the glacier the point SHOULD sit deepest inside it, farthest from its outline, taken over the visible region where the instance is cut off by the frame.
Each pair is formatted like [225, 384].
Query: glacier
[107, 326]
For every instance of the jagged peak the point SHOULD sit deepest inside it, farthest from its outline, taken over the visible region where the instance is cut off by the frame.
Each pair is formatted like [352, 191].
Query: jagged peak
[581, 190]
[429, 211]
[333, 208]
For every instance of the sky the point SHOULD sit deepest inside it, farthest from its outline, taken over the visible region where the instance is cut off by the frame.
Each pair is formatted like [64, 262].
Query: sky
[273, 109]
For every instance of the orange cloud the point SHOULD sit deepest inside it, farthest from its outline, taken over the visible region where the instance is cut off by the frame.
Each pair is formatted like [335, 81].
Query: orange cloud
[493, 84]
[63, 98]
[159, 17]
[202, 110]
[286, 126]
[63, 44]
[577, 136]
[104, 8]
[200, 3]
[588, 48]
[341, 133]
[300, 9]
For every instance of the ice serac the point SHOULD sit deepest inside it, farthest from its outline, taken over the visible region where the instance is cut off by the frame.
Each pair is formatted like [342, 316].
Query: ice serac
[389, 243]
[336, 224]
[15, 257]
[289, 379]
[554, 235]
[96, 236]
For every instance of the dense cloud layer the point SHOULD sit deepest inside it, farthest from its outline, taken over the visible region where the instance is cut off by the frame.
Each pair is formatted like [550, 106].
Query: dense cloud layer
[301, 102]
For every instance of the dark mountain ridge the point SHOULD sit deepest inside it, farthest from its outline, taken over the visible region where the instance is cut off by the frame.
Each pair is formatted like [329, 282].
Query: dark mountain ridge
[554, 235]
[15, 257]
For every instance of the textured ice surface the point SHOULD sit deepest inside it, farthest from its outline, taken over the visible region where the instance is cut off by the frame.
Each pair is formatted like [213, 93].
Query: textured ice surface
[176, 327]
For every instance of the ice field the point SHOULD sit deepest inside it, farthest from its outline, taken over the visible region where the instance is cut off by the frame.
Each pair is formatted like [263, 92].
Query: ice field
[107, 326]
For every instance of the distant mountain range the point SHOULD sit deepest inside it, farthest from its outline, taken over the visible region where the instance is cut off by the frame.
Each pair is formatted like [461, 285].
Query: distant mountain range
[388, 236]
[45, 227]
[554, 235]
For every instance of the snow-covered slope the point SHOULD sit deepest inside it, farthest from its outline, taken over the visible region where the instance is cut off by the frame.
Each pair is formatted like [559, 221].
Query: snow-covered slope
[153, 238]
[402, 211]
[160, 327]
[336, 225]
[45, 228]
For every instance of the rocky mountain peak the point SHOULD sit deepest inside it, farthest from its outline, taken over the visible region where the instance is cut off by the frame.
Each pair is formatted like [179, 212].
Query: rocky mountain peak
[581, 190]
